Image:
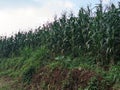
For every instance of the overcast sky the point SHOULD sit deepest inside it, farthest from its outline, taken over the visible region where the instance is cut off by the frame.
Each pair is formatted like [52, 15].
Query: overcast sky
[23, 15]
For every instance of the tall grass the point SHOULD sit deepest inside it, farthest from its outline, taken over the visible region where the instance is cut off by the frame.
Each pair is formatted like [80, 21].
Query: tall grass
[97, 36]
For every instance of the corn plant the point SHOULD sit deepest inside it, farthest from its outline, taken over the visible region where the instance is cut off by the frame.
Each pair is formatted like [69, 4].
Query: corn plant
[95, 33]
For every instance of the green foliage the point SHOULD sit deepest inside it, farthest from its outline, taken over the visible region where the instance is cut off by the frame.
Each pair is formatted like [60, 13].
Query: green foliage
[89, 40]
[27, 74]
[90, 33]
[26, 52]
[24, 66]
[68, 62]
[95, 84]
[113, 75]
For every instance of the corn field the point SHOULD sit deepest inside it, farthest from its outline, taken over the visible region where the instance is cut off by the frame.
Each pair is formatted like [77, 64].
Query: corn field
[92, 32]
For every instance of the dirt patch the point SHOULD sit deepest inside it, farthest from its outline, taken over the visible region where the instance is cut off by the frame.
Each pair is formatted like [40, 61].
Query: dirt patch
[5, 81]
[62, 79]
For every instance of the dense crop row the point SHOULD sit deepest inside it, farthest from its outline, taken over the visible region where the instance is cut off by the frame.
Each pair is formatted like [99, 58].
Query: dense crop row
[90, 33]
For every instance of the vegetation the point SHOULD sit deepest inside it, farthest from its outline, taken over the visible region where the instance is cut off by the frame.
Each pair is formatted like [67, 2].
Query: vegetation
[89, 41]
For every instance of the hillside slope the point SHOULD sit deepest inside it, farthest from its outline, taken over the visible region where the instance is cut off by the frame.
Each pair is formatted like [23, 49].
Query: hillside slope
[71, 53]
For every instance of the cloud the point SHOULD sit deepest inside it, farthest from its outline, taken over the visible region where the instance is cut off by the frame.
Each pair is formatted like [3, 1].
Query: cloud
[56, 3]
[69, 4]
[25, 18]
[11, 20]
[106, 1]
[56, 7]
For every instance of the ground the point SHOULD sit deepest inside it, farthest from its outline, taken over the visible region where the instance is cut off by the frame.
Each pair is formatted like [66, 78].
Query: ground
[6, 83]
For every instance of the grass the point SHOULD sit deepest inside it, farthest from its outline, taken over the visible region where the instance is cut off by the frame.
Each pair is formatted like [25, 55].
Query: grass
[24, 68]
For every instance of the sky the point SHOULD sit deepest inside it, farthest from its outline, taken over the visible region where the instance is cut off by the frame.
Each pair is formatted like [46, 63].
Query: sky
[24, 15]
